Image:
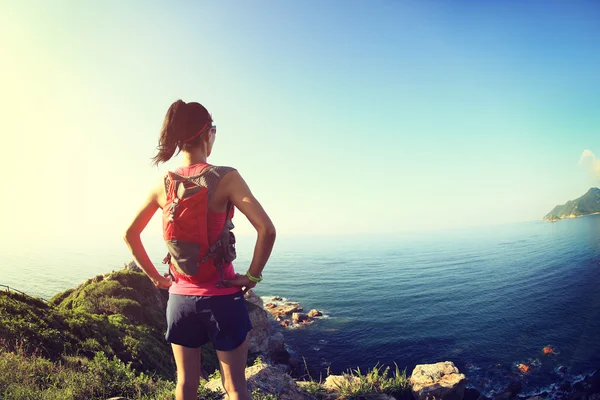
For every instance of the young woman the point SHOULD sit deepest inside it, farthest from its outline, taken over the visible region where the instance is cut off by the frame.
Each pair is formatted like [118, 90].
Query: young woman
[214, 309]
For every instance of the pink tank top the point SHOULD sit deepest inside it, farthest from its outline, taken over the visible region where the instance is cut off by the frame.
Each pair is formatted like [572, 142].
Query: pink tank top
[216, 221]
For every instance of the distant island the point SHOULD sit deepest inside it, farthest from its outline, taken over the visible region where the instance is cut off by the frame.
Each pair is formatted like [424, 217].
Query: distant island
[587, 204]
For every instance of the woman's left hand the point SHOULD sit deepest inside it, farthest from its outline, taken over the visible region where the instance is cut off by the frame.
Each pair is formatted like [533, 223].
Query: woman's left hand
[241, 281]
[162, 282]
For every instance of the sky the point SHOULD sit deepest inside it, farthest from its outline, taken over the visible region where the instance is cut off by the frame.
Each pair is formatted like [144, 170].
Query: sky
[344, 117]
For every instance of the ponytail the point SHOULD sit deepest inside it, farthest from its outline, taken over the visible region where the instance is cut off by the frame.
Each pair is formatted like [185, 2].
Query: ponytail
[182, 121]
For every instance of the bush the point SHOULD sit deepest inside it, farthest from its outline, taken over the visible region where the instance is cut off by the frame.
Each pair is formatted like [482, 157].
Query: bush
[357, 385]
[23, 376]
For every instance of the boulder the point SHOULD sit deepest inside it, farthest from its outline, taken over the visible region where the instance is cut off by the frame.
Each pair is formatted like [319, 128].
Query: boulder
[594, 382]
[314, 313]
[514, 388]
[259, 336]
[270, 380]
[261, 339]
[440, 381]
[299, 317]
[471, 394]
[277, 351]
[284, 309]
[253, 299]
[132, 266]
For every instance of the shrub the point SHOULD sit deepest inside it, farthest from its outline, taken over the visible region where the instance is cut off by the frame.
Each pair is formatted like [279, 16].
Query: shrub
[357, 385]
[29, 376]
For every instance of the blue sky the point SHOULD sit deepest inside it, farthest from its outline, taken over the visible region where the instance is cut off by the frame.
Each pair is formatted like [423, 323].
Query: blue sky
[345, 117]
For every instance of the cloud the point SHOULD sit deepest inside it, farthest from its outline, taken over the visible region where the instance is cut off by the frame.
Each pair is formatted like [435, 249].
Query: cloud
[589, 160]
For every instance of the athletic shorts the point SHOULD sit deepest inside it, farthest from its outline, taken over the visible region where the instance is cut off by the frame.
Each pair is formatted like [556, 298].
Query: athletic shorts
[193, 321]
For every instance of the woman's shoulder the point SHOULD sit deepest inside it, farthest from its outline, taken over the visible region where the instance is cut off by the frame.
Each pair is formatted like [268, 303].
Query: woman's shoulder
[222, 170]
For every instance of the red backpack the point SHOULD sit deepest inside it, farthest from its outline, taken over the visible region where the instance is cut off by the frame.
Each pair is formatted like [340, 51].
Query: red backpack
[191, 257]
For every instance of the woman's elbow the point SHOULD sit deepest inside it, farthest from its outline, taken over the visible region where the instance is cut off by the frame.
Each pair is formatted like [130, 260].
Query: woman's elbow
[129, 235]
[269, 232]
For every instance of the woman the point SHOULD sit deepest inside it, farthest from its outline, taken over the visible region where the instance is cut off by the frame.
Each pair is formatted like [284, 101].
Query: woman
[213, 309]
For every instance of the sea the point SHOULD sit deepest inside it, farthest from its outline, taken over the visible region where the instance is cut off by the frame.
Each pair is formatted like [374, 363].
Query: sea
[488, 298]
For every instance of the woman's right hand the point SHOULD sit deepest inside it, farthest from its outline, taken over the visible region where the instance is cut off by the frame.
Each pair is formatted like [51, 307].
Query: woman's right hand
[242, 281]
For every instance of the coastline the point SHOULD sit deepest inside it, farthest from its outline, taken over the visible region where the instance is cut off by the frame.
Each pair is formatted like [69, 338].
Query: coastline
[571, 216]
[91, 289]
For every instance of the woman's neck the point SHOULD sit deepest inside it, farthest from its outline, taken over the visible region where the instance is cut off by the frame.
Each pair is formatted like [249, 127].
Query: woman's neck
[191, 158]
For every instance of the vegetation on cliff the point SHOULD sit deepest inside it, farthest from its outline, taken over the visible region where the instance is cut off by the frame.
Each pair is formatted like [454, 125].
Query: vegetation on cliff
[105, 338]
[109, 322]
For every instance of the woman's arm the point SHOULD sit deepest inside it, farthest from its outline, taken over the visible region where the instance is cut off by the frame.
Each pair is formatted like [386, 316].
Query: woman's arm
[240, 195]
[134, 241]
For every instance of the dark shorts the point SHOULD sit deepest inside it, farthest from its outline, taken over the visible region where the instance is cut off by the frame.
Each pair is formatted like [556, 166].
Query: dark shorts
[195, 320]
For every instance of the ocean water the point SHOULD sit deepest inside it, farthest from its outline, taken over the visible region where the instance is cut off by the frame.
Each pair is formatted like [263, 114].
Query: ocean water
[487, 299]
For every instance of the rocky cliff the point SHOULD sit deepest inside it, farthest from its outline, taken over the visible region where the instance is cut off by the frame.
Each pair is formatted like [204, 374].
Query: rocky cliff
[587, 204]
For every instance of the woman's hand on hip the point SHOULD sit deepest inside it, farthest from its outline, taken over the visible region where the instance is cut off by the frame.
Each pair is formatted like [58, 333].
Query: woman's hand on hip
[162, 282]
[241, 281]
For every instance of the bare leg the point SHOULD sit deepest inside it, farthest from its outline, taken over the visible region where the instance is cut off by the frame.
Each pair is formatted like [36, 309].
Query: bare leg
[188, 372]
[233, 372]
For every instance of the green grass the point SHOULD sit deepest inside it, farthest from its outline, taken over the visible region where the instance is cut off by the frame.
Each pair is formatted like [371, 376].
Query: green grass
[92, 318]
[33, 377]
[25, 376]
[358, 386]
[258, 395]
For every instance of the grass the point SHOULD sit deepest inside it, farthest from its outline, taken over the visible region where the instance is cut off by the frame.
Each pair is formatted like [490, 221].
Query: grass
[26, 376]
[354, 385]
[376, 381]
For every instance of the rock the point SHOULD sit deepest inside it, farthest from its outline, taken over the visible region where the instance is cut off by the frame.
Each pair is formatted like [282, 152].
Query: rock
[471, 394]
[285, 323]
[594, 382]
[132, 266]
[578, 387]
[503, 396]
[277, 343]
[514, 388]
[536, 398]
[284, 309]
[253, 299]
[548, 350]
[261, 339]
[314, 313]
[578, 396]
[440, 381]
[277, 351]
[524, 368]
[565, 387]
[259, 336]
[269, 380]
[276, 298]
[299, 317]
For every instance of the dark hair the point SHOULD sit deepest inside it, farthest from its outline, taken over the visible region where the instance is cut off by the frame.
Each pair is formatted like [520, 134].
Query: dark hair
[183, 128]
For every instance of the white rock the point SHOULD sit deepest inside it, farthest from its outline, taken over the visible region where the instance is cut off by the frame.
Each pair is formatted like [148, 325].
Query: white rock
[440, 381]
